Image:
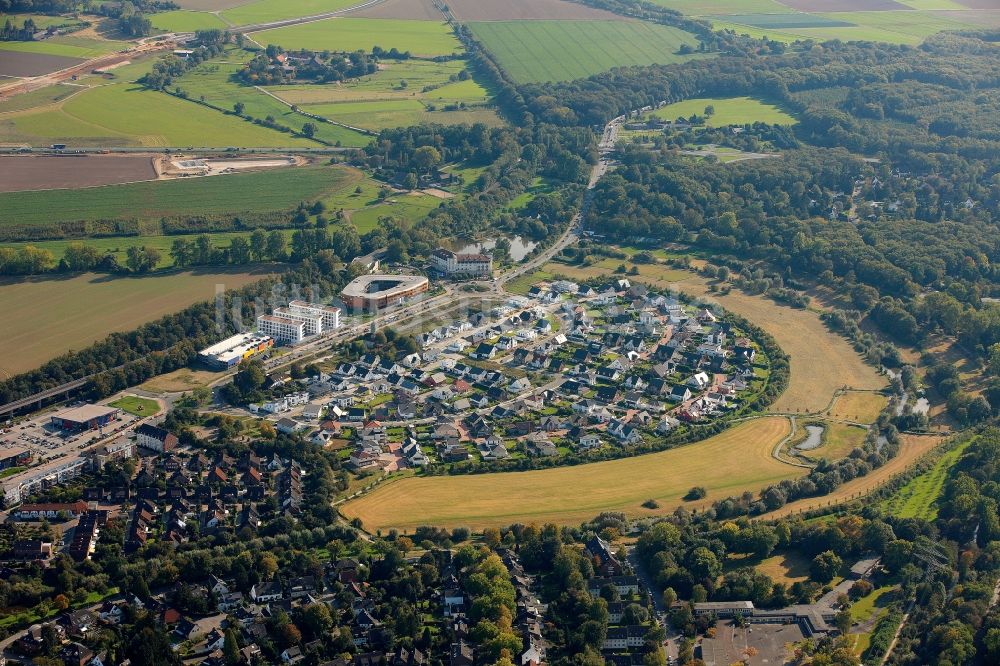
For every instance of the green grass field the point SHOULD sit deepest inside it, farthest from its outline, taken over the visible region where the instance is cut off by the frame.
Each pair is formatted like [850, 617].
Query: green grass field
[214, 82]
[264, 11]
[728, 111]
[127, 114]
[273, 190]
[422, 38]
[186, 21]
[918, 498]
[67, 45]
[37, 98]
[895, 27]
[41, 21]
[137, 406]
[538, 51]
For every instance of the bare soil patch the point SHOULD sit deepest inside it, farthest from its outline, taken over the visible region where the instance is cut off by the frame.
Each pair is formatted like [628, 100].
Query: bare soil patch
[845, 5]
[38, 172]
[411, 10]
[14, 63]
[511, 10]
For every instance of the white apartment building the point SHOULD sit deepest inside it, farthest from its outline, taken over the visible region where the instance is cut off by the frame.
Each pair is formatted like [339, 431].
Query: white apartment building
[313, 323]
[330, 314]
[450, 263]
[279, 328]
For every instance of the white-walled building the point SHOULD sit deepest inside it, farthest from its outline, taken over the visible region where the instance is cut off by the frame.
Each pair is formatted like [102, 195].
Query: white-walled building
[451, 263]
[330, 314]
[279, 328]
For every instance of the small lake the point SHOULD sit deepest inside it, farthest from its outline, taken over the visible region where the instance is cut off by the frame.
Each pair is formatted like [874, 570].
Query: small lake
[814, 439]
[520, 247]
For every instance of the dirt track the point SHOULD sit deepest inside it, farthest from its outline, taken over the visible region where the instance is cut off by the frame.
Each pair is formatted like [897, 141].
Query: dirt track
[46, 172]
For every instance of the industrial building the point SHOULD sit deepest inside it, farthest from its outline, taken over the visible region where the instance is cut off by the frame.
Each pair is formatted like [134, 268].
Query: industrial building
[16, 457]
[465, 265]
[85, 417]
[299, 320]
[374, 292]
[232, 351]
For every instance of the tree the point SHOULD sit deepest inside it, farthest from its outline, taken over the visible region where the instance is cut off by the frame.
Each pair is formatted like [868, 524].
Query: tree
[825, 566]
[80, 257]
[141, 259]
[426, 157]
[709, 111]
[309, 130]
[182, 252]
[258, 245]
[239, 106]
[276, 246]
[239, 250]
[231, 648]
[703, 564]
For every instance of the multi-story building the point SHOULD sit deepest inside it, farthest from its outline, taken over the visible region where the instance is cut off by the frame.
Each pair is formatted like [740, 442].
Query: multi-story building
[281, 329]
[313, 323]
[330, 314]
[156, 439]
[451, 263]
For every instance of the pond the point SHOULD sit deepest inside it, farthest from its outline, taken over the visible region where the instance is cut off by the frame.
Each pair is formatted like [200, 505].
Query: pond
[814, 439]
[520, 247]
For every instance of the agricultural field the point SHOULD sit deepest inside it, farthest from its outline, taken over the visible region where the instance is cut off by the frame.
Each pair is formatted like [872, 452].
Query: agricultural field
[43, 172]
[70, 46]
[126, 114]
[522, 10]
[728, 111]
[421, 38]
[275, 190]
[858, 407]
[17, 64]
[186, 21]
[41, 21]
[47, 317]
[410, 10]
[913, 448]
[727, 464]
[539, 51]
[708, 7]
[266, 11]
[213, 81]
[918, 498]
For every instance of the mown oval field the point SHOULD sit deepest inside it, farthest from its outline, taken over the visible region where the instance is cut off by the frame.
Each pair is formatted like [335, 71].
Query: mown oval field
[727, 464]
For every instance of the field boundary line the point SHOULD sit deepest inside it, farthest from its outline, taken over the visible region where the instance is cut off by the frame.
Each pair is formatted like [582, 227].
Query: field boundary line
[297, 109]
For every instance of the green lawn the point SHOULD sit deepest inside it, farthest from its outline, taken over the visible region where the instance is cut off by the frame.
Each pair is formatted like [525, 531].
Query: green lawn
[265, 11]
[67, 45]
[262, 191]
[41, 21]
[422, 38]
[36, 98]
[918, 498]
[728, 111]
[539, 51]
[127, 114]
[137, 406]
[186, 21]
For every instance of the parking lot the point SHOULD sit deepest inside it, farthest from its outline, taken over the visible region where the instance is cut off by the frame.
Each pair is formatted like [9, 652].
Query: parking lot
[767, 643]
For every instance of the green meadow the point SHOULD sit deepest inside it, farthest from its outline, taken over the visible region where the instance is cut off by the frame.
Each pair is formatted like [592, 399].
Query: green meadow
[728, 111]
[265, 11]
[538, 51]
[67, 45]
[421, 38]
[186, 21]
[918, 498]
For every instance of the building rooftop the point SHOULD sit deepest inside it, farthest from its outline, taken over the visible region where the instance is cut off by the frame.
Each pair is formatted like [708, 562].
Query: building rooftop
[372, 285]
[85, 413]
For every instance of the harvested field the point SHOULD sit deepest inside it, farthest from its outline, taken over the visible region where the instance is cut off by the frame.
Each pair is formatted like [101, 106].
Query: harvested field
[914, 447]
[727, 464]
[845, 5]
[47, 172]
[980, 4]
[706, 7]
[520, 10]
[858, 407]
[15, 63]
[409, 10]
[984, 18]
[45, 317]
[783, 21]
[821, 361]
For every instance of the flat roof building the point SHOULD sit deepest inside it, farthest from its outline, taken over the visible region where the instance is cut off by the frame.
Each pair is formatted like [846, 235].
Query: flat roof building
[374, 292]
[470, 265]
[330, 314]
[85, 417]
[232, 351]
